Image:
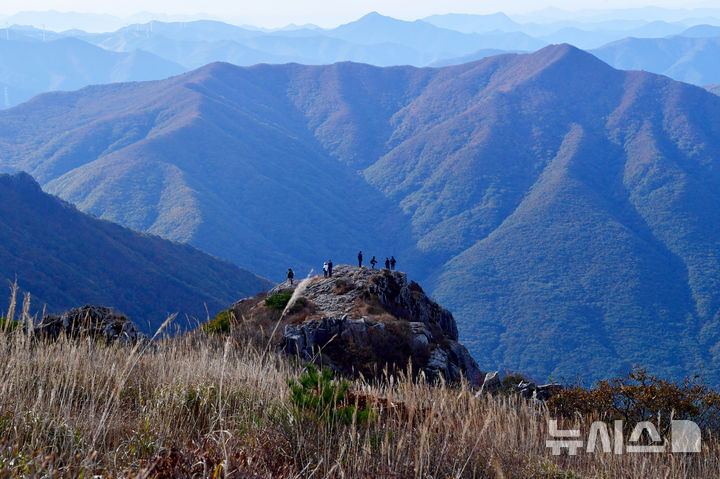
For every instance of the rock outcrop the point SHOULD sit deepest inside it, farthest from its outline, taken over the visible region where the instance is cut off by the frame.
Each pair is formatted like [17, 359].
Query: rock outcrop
[491, 384]
[94, 321]
[528, 390]
[362, 315]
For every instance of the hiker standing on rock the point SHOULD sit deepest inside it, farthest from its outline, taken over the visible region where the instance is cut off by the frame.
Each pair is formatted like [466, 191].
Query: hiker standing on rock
[373, 262]
[360, 259]
[290, 275]
[392, 262]
[325, 269]
[330, 268]
[387, 263]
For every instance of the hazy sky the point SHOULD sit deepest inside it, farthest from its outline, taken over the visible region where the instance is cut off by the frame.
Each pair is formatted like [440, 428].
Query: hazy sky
[272, 13]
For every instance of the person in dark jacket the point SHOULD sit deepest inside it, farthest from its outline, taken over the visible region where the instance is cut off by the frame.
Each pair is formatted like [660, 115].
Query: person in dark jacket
[373, 262]
[290, 275]
[360, 259]
[392, 262]
[330, 268]
[387, 263]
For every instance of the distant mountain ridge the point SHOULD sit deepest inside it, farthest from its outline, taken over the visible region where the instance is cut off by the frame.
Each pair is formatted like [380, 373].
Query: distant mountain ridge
[581, 33]
[692, 60]
[467, 23]
[702, 31]
[374, 38]
[564, 210]
[28, 68]
[157, 49]
[472, 57]
[376, 28]
[66, 259]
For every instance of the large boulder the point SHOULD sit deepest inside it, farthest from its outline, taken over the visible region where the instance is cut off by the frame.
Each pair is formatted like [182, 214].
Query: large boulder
[526, 389]
[491, 384]
[93, 321]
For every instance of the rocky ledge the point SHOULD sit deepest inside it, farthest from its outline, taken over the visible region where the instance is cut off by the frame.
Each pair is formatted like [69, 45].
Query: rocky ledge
[517, 385]
[93, 321]
[363, 319]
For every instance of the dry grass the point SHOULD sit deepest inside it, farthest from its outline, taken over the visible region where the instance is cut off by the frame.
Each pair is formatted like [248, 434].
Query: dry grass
[200, 406]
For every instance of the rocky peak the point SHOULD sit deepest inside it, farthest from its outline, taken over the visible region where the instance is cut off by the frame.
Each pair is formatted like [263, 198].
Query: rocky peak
[351, 292]
[365, 314]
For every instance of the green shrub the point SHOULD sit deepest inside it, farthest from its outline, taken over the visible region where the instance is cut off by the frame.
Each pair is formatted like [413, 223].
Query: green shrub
[316, 393]
[220, 323]
[510, 382]
[278, 301]
[6, 325]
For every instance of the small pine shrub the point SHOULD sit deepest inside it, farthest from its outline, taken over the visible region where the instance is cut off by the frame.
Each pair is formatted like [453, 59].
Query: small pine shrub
[317, 394]
[278, 301]
[510, 382]
[220, 324]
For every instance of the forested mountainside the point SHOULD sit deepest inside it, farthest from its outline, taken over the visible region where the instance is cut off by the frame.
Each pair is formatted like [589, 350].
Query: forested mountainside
[66, 258]
[565, 211]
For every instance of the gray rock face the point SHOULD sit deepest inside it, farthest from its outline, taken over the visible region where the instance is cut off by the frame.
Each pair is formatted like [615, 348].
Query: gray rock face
[336, 296]
[307, 339]
[95, 321]
[438, 364]
[528, 390]
[460, 357]
[546, 391]
[421, 335]
[491, 384]
[339, 302]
